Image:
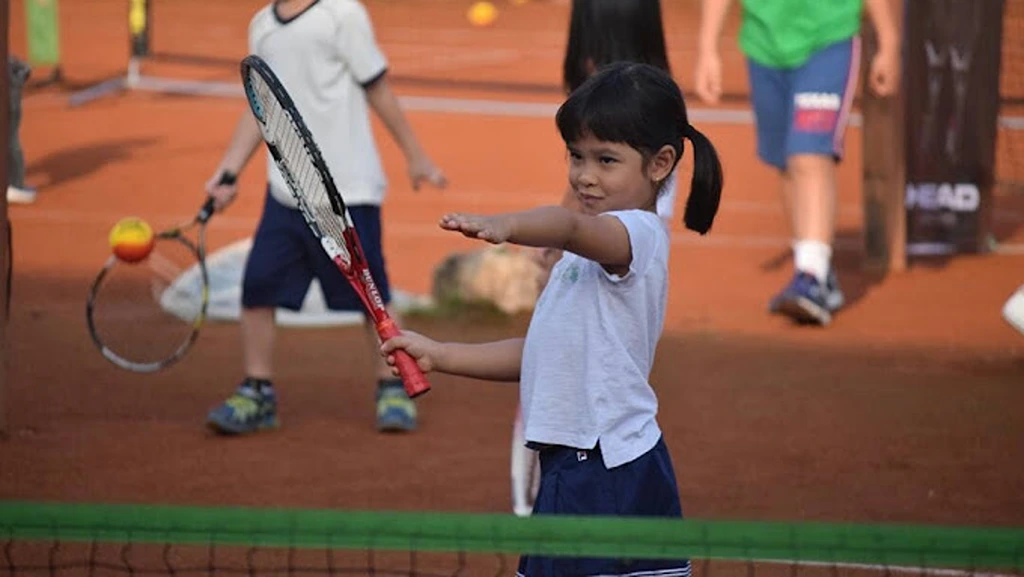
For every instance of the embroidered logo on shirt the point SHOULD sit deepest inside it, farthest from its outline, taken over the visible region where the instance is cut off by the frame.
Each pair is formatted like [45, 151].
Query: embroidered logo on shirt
[571, 274]
[581, 456]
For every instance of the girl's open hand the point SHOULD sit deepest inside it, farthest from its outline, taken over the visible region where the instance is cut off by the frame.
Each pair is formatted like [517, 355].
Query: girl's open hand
[493, 229]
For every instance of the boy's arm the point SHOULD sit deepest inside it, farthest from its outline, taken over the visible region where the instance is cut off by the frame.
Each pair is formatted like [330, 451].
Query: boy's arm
[385, 104]
[881, 15]
[708, 70]
[243, 144]
[712, 18]
[884, 71]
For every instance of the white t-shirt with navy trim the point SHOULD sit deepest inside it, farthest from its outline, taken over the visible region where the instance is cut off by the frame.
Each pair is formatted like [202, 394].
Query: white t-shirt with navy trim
[590, 348]
[324, 57]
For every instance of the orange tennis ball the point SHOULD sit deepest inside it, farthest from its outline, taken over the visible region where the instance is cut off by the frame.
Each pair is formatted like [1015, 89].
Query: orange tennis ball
[482, 14]
[131, 239]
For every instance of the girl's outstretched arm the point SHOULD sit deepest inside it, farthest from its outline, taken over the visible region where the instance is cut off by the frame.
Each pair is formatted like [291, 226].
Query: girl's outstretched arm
[602, 239]
[494, 361]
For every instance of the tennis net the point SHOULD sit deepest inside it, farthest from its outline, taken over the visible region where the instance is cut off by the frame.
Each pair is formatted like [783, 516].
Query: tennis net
[96, 540]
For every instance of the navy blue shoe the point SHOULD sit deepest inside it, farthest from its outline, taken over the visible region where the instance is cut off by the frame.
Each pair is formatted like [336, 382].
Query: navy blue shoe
[834, 298]
[805, 300]
[246, 411]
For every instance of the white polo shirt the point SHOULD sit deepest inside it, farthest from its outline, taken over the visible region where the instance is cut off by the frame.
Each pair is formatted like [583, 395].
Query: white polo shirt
[324, 57]
[590, 347]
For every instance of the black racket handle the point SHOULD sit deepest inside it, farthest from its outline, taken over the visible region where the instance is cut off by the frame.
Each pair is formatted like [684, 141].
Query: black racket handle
[207, 210]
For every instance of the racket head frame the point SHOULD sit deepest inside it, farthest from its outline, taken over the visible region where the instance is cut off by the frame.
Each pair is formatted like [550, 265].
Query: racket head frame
[350, 258]
[112, 355]
[198, 251]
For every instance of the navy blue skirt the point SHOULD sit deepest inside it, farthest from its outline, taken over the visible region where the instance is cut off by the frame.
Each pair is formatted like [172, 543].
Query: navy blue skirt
[576, 482]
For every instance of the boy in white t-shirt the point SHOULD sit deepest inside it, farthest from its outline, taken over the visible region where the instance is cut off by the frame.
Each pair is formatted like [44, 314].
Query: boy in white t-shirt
[583, 368]
[325, 54]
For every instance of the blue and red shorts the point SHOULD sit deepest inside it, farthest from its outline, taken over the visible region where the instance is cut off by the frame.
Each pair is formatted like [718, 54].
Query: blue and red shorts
[805, 110]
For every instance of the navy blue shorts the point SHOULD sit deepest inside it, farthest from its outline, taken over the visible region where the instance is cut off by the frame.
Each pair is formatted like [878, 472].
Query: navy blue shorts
[285, 257]
[805, 110]
[576, 482]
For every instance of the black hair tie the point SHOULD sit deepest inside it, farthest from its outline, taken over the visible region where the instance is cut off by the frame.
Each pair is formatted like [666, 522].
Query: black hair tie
[689, 131]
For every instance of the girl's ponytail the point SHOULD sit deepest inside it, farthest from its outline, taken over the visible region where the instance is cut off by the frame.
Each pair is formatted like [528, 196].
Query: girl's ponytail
[706, 184]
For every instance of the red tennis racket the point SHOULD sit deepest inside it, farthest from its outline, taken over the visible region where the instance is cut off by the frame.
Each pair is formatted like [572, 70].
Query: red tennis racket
[297, 156]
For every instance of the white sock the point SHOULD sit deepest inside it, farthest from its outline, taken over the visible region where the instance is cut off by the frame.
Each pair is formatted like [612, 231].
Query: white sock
[812, 257]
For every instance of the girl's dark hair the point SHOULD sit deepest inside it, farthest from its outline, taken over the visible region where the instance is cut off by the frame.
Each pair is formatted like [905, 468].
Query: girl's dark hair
[605, 31]
[641, 106]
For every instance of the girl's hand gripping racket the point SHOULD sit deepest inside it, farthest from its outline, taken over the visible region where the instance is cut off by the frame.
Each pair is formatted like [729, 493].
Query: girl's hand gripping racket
[298, 158]
[148, 302]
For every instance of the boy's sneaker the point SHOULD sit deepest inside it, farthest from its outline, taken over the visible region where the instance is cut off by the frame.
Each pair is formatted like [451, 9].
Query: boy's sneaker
[396, 412]
[16, 195]
[246, 411]
[806, 300]
[834, 298]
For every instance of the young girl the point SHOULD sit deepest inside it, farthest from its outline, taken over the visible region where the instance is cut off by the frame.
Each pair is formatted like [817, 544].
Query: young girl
[583, 367]
[601, 32]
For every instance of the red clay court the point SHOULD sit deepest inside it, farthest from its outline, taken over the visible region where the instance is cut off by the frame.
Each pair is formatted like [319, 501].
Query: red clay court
[906, 409]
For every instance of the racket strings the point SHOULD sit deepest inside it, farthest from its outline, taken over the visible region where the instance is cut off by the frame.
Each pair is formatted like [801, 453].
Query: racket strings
[174, 288]
[145, 312]
[297, 167]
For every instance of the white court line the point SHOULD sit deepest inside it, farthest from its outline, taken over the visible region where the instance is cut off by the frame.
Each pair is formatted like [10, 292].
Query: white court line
[482, 107]
[743, 116]
[547, 110]
[488, 107]
[936, 571]
[459, 60]
[1012, 122]
[432, 37]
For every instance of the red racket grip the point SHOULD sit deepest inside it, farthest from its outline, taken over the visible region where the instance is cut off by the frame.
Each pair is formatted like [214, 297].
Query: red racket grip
[415, 381]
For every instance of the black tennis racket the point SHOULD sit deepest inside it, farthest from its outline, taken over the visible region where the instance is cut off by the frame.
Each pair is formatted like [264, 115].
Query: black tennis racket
[296, 154]
[144, 316]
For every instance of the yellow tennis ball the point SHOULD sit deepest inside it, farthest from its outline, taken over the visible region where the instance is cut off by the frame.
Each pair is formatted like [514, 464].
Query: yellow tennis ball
[482, 14]
[131, 239]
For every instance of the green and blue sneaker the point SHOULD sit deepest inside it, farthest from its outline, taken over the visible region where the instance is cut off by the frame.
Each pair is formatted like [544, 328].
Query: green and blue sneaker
[252, 408]
[396, 412]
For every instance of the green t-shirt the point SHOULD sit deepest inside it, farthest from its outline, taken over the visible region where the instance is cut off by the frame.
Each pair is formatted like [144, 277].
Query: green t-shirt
[785, 33]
